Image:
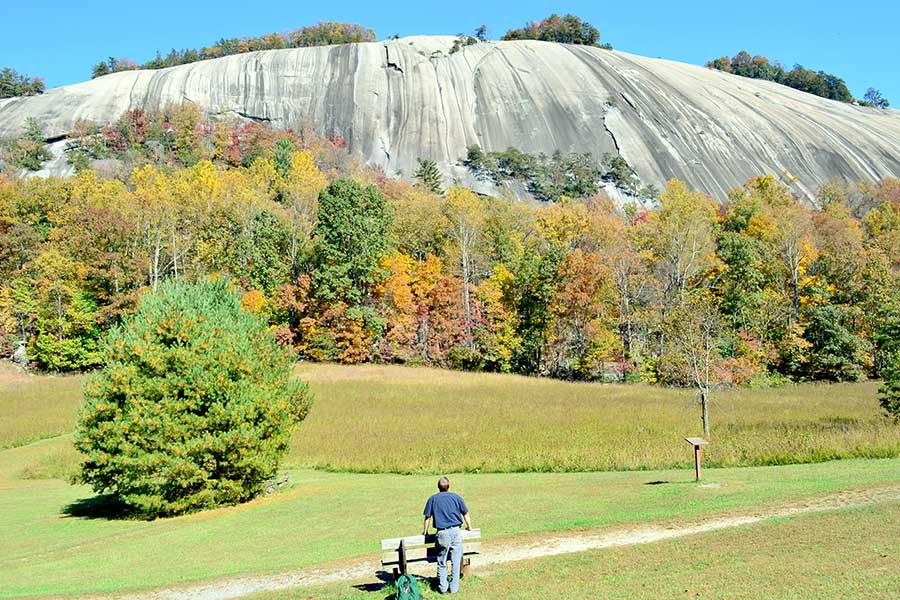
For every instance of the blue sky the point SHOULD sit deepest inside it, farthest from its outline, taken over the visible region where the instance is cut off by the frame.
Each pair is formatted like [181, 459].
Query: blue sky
[60, 40]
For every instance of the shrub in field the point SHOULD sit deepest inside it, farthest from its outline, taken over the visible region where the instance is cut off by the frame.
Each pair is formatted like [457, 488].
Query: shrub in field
[194, 407]
[890, 391]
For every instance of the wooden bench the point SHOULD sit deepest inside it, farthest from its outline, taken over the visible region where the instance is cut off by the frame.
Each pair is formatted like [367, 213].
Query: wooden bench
[398, 553]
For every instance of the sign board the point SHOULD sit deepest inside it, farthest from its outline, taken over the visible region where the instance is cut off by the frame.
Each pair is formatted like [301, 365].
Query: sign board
[698, 444]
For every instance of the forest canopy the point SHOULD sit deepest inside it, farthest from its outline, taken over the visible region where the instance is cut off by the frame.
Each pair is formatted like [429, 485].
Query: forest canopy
[348, 265]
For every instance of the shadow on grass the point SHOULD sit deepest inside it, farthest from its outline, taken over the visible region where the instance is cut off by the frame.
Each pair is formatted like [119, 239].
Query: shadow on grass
[669, 482]
[98, 507]
[386, 584]
[385, 580]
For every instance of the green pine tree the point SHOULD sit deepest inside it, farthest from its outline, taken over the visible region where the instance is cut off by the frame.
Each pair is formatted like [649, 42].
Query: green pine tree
[194, 407]
[429, 176]
[890, 391]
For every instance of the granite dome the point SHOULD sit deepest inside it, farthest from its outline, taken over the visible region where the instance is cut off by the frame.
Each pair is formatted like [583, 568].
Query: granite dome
[399, 100]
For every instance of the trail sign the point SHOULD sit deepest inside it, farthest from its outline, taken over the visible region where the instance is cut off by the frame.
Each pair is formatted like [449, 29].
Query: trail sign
[698, 444]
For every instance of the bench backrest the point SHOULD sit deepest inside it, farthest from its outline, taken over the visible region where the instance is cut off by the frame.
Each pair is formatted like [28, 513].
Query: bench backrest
[421, 547]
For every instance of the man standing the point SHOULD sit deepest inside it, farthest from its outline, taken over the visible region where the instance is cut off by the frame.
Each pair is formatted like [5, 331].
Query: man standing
[448, 511]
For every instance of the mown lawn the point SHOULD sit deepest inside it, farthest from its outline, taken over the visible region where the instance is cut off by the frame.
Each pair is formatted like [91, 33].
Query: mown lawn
[57, 542]
[848, 554]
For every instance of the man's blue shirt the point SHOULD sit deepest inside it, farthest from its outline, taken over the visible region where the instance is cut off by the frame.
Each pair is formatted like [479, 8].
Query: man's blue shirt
[447, 509]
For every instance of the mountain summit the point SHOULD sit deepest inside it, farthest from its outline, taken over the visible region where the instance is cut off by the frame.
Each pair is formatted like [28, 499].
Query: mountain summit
[418, 97]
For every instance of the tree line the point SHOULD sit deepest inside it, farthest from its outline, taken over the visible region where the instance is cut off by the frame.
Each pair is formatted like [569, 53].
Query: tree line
[800, 78]
[13, 83]
[348, 265]
[322, 34]
[566, 29]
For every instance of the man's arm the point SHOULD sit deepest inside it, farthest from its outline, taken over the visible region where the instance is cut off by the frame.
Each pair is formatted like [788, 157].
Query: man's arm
[468, 521]
[428, 513]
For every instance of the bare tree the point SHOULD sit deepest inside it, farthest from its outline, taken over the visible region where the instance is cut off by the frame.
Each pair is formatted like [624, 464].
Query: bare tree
[464, 215]
[696, 329]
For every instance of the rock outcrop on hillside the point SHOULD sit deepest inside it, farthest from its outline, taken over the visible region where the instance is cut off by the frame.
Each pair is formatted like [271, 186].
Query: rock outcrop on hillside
[399, 100]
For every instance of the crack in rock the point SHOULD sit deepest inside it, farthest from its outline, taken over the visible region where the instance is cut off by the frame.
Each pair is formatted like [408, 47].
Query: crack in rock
[391, 65]
[253, 117]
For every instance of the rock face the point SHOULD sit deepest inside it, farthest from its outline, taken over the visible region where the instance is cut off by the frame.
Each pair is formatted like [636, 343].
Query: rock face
[400, 100]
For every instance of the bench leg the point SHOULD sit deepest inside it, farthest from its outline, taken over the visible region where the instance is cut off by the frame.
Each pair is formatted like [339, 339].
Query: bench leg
[464, 567]
[396, 574]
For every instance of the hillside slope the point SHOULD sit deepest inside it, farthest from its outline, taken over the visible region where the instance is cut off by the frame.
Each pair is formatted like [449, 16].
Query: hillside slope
[400, 100]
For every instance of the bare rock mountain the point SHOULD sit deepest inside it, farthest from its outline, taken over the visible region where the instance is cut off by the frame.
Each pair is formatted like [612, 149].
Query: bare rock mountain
[403, 99]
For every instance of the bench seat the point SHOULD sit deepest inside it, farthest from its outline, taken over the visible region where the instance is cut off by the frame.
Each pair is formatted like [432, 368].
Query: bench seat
[397, 553]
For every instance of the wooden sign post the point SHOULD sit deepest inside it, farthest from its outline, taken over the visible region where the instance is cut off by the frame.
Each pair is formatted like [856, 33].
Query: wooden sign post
[698, 444]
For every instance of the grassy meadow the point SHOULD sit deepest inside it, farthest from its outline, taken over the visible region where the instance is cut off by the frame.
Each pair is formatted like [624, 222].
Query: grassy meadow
[392, 419]
[388, 419]
[34, 407]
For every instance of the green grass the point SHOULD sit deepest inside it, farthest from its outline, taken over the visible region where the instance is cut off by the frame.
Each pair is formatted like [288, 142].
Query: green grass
[34, 407]
[842, 555]
[56, 543]
[388, 419]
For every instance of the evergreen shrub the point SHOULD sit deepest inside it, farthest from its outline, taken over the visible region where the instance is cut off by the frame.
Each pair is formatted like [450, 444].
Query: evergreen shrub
[194, 407]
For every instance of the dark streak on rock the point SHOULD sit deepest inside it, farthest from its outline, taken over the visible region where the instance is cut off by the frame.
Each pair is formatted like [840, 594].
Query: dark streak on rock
[252, 117]
[391, 65]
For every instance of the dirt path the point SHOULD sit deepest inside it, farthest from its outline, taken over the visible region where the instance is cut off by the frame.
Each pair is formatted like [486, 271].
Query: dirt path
[552, 545]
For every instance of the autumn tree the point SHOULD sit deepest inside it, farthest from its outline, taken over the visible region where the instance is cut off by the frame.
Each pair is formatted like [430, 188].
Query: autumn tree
[66, 323]
[298, 189]
[819, 83]
[349, 240]
[464, 214]
[566, 29]
[695, 327]
[531, 295]
[155, 206]
[329, 33]
[420, 225]
[682, 239]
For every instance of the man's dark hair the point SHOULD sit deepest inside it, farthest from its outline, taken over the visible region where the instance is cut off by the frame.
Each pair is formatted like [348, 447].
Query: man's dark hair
[443, 484]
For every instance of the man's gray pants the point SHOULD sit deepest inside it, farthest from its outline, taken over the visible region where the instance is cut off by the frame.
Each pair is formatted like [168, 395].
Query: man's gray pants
[449, 544]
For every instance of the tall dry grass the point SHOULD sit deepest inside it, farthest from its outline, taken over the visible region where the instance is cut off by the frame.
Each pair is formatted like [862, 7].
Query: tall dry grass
[390, 419]
[408, 420]
[34, 407]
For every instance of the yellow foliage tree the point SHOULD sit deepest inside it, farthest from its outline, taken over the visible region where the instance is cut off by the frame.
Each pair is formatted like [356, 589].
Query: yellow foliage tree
[299, 190]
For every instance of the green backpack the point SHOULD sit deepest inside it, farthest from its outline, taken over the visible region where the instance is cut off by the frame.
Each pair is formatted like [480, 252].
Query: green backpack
[407, 588]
